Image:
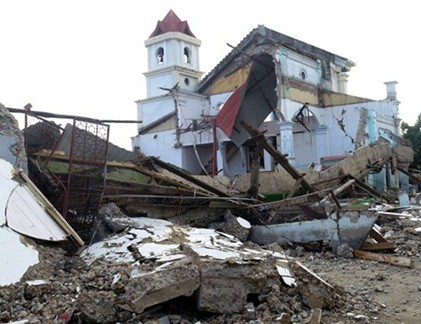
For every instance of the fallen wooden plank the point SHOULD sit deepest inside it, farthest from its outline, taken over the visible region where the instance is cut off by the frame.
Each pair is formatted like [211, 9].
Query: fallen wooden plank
[376, 235]
[409, 174]
[384, 213]
[384, 258]
[369, 190]
[338, 190]
[380, 246]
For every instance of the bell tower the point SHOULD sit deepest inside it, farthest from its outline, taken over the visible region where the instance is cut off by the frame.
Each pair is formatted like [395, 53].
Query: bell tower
[173, 57]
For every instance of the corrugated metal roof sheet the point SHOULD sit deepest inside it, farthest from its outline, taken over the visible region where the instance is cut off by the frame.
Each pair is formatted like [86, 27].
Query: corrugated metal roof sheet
[252, 102]
[225, 118]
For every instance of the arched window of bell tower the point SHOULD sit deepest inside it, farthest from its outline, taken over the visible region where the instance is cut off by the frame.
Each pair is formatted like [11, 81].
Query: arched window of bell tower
[160, 55]
[187, 55]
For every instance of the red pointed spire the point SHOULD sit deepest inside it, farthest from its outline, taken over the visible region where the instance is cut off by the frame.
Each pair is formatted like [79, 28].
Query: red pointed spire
[171, 23]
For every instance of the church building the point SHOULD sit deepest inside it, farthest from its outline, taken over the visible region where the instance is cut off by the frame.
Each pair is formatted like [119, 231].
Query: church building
[294, 92]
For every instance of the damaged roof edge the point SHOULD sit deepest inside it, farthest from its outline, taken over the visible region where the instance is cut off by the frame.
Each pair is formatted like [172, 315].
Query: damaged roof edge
[276, 38]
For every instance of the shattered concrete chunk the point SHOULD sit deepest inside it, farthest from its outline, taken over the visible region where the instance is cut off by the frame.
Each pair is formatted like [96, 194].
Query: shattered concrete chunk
[113, 217]
[174, 279]
[97, 306]
[34, 288]
[236, 226]
[316, 292]
[233, 281]
[166, 261]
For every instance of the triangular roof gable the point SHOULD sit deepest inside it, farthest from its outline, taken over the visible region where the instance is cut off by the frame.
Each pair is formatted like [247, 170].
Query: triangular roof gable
[171, 23]
[275, 38]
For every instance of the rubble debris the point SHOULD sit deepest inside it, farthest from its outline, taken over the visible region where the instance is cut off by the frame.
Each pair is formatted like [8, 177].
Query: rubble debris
[170, 280]
[34, 288]
[315, 316]
[168, 261]
[23, 209]
[97, 306]
[317, 293]
[236, 226]
[12, 148]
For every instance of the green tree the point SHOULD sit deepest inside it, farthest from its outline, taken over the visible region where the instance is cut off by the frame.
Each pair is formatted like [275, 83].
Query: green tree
[413, 134]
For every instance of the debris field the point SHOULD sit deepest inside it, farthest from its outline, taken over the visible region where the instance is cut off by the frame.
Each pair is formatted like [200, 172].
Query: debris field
[92, 233]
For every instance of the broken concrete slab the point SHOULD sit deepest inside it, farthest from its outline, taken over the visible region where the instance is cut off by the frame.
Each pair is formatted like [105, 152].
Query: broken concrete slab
[170, 280]
[167, 261]
[341, 227]
[233, 282]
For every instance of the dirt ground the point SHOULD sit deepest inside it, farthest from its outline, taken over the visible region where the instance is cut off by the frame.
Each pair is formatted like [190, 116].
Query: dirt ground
[376, 292]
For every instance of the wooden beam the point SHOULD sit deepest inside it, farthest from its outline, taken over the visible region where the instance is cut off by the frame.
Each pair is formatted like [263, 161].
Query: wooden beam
[61, 116]
[409, 174]
[181, 173]
[338, 190]
[368, 189]
[253, 191]
[380, 246]
[291, 201]
[376, 235]
[384, 258]
[278, 157]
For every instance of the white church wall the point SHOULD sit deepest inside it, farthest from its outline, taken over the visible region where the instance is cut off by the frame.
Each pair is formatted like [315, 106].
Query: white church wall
[191, 107]
[191, 159]
[305, 147]
[217, 101]
[160, 145]
[196, 137]
[150, 110]
[298, 66]
[157, 82]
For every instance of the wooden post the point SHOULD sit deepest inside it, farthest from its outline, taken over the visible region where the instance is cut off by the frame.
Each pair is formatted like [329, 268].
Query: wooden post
[278, 157]
[255, 171]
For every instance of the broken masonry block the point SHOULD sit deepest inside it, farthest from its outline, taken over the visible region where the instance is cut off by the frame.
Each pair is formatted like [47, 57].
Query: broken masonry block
[225, 285]
[171, 280]
[35, 288]
[236, 226]
[97, 306]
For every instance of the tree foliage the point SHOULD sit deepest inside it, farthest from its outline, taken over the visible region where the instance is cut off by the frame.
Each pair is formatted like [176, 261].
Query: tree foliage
[413, 134]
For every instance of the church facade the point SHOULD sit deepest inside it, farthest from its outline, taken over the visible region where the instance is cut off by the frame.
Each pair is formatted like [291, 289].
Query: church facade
[294, 92]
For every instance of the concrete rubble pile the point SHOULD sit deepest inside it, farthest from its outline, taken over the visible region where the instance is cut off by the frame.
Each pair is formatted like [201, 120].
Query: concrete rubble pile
[170, 247]
[150, 262]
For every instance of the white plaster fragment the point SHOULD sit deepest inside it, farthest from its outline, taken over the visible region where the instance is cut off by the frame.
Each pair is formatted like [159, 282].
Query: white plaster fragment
[15, 256]
[244, 223]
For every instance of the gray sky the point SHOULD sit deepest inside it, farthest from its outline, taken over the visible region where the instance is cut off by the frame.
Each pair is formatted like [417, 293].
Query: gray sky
[86, 57]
